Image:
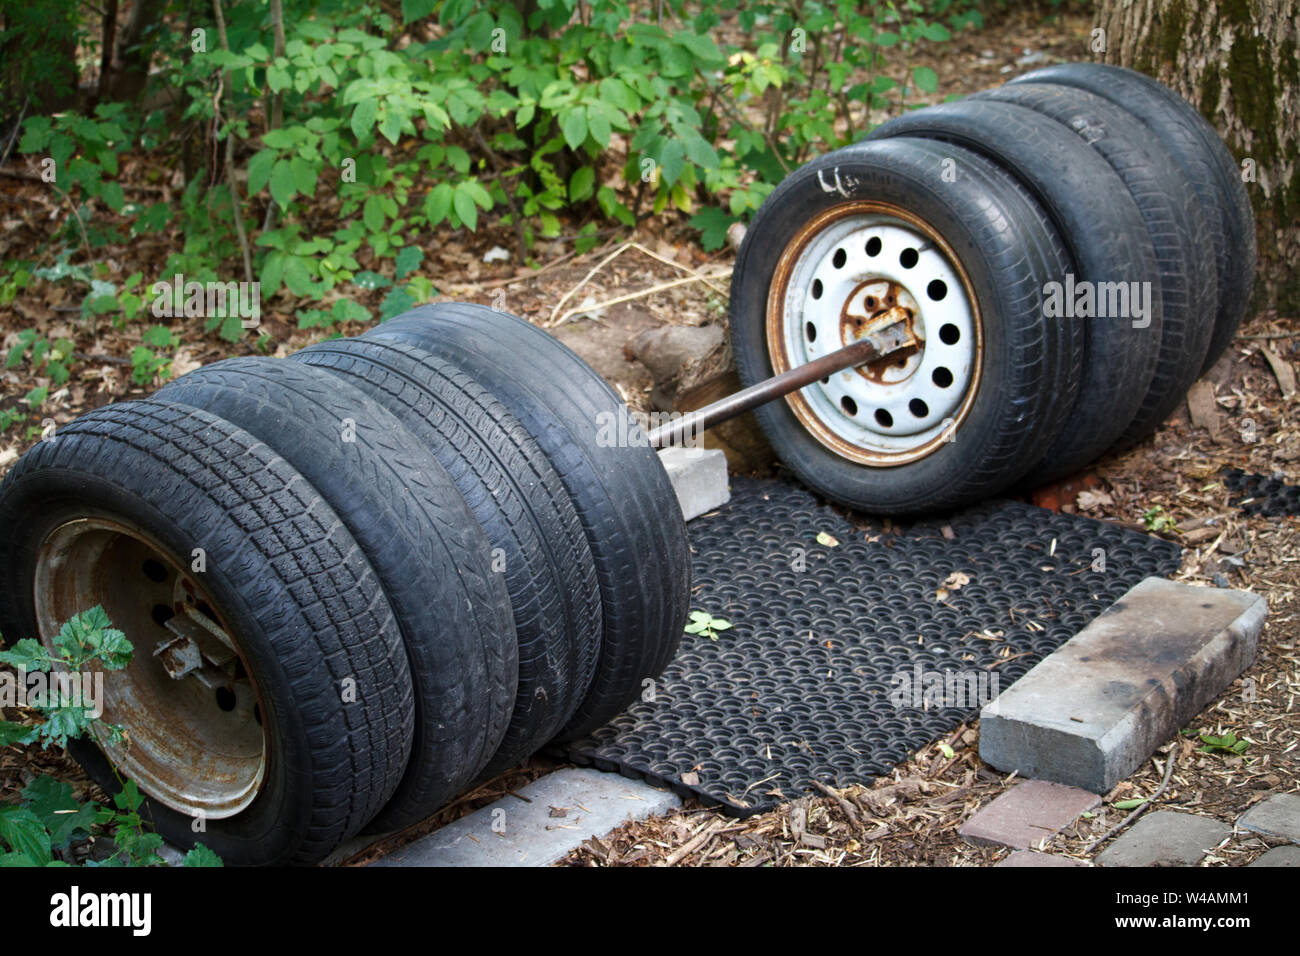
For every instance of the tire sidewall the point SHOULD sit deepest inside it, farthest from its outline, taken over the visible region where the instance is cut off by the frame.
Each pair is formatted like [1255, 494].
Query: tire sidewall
[36, 504]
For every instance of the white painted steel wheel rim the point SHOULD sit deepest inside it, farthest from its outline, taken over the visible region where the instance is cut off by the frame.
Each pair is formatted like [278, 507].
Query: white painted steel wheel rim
[840, 275]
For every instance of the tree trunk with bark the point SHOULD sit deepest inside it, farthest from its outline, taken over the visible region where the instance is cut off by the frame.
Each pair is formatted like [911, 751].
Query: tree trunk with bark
[1238, 62]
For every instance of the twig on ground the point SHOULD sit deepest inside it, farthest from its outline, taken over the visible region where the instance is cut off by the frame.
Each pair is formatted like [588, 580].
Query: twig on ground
[847, 807]
[1142, 807]
[638, 295]
[697, 841]
[677, 265]
[585, 279]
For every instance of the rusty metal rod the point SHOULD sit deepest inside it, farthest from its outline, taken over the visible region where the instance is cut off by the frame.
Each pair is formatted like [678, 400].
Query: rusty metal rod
[882, 342]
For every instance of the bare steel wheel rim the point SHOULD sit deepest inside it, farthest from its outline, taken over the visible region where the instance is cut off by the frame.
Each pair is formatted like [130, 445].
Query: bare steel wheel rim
[194, 737]
[851, 270]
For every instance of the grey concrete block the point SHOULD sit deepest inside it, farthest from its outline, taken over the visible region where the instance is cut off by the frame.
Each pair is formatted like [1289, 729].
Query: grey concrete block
[699, 476]
[1090, 713]
[1165, 838]
[1278, 816]
[562, 809]
[1279, 856]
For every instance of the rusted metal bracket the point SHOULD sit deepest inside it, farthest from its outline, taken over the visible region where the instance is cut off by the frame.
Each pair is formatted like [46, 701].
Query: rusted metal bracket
[876, 344]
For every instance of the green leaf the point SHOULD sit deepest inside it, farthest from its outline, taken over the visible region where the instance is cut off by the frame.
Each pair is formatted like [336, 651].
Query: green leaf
[395, 303]
[363, 118]
[713, 224]
[201, 856]
[28, 654]
[599, 126]
[304, 175]
[314, 319]
[283, 187]
[391, 127]
[1129, 804]
[52, 801]
[925, 79]
[346, 310]
[466, 209]
[372, 214]
[698, 149]
[23, 831]
[159, 336]
[582, 184]
[113, 196]
[573, 123]
[476, 191]
[298, 277]
[408, 260]
[701, 616]
[720, 624]
[370, 280]
[417, 9]
[671, 161]
[438, 203]
[279, 138]
[114, 649]
[14, 733]
[259, 170]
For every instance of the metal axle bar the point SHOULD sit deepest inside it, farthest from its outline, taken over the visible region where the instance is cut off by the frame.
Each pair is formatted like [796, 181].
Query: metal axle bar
[884, 341]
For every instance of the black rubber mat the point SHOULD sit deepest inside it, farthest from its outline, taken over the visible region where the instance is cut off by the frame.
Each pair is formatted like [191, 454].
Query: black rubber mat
[823, 675]
[1262, 495]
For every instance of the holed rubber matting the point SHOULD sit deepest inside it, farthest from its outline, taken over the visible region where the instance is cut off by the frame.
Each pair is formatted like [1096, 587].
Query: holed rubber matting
[831, 671]
[1261, 494]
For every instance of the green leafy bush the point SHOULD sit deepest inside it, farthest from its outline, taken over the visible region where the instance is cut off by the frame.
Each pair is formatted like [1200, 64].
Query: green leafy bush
[48, 819]
[368, 131]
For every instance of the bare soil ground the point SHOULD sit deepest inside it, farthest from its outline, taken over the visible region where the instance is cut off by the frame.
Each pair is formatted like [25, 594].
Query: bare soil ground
[910, 818]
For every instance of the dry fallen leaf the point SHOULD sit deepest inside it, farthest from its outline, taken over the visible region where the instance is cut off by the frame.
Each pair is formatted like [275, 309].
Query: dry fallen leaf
[1282, 371]
[184, 362]
[1090, 500]
[953, 582]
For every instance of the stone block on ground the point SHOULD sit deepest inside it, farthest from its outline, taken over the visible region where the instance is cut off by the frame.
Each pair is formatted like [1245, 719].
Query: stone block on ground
[1094, 710]
[1278, 816]
[1034, 858]
[1027, 814]
[1280, 856]
[559, 811]
[1165, 838]
[699, 477]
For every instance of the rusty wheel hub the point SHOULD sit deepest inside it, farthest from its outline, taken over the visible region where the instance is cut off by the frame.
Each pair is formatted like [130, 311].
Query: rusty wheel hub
[857, 268]
[189, 706]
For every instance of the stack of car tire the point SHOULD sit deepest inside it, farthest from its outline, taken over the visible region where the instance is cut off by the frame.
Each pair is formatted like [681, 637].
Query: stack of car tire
[401, 563]
[1007, 226]
[361, 579]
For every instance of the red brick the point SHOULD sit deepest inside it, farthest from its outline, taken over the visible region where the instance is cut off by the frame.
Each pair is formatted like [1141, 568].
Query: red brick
[1027, 814]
